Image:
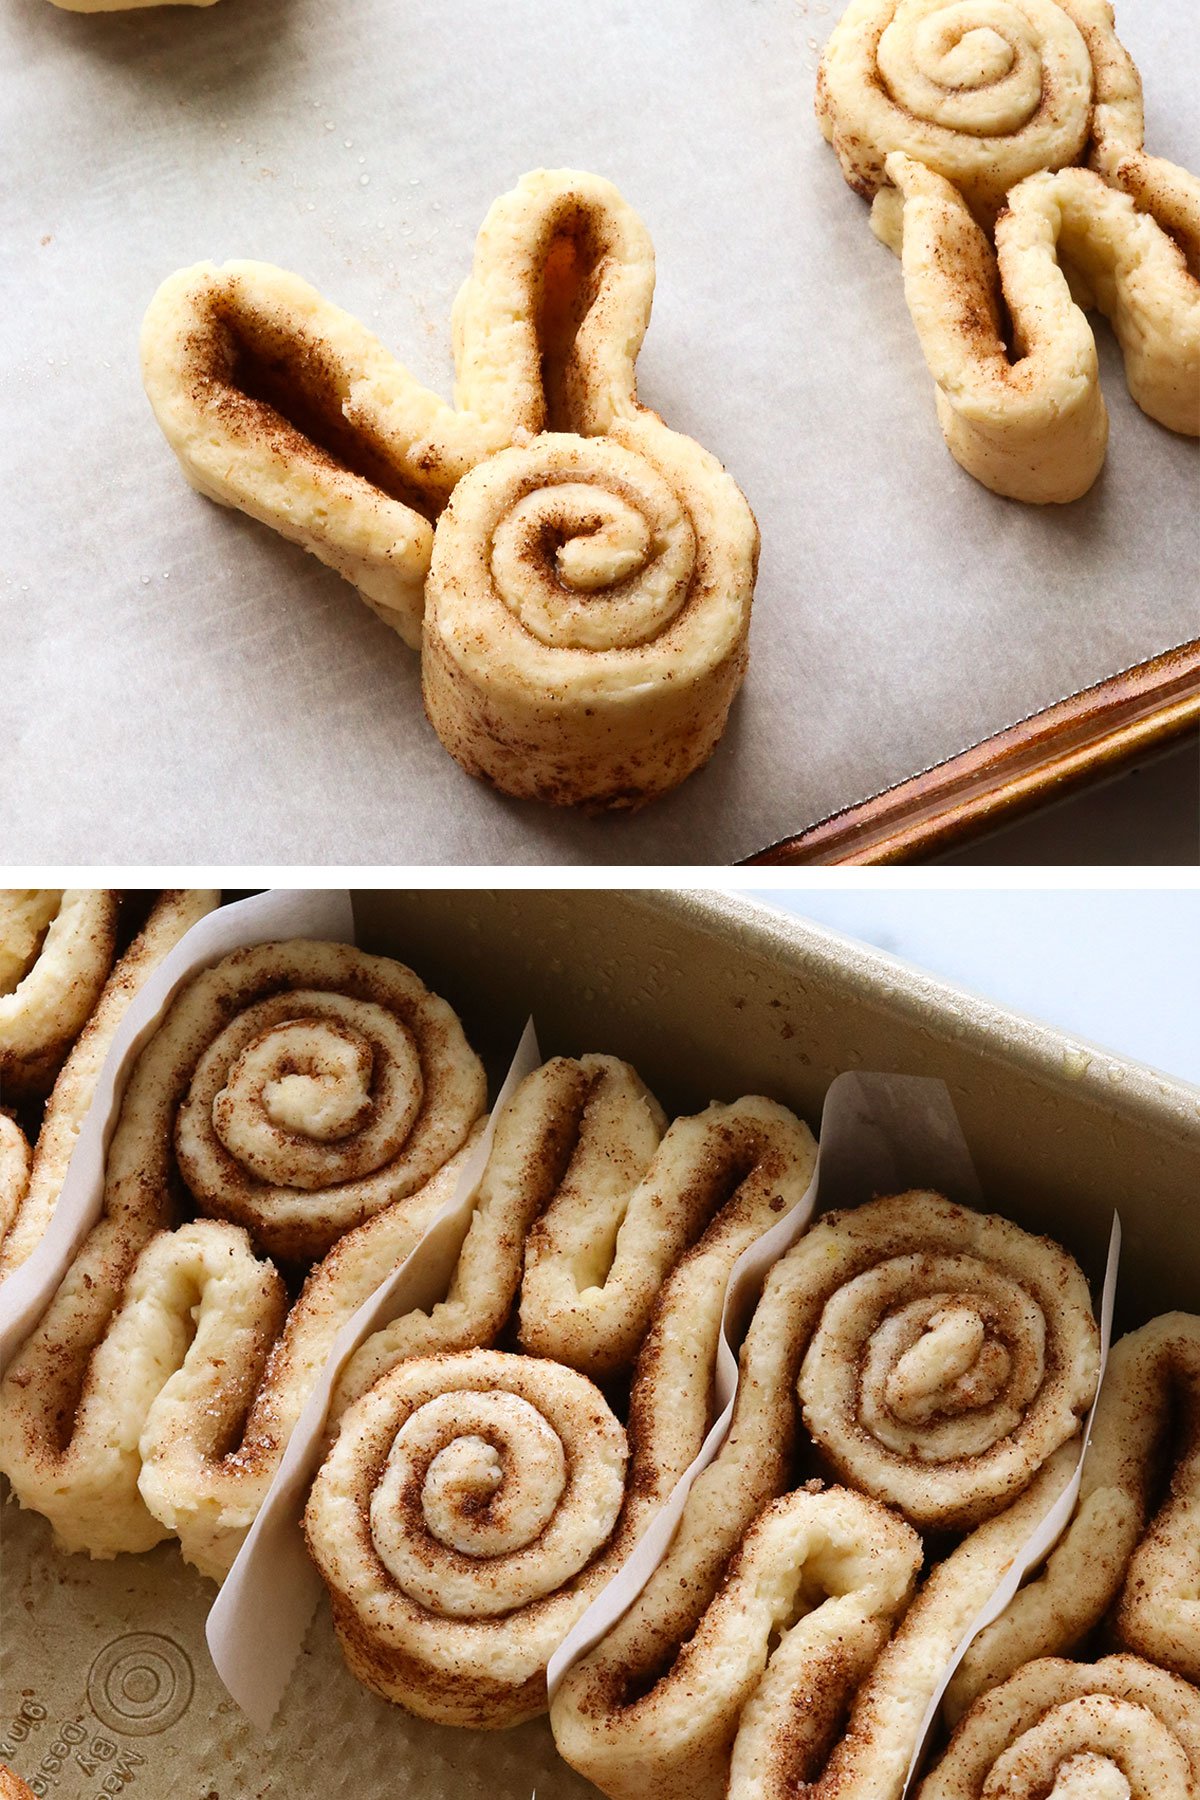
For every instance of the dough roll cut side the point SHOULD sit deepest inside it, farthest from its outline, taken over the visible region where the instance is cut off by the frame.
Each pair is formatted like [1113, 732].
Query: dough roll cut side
[56, 949]
[948, 1354]
[461, 1523]
[715, 1183]
[294, 1088]
[942, 1360]
[1028, 420]
[1132, 1550]
[1118, 1729]
[173, 912]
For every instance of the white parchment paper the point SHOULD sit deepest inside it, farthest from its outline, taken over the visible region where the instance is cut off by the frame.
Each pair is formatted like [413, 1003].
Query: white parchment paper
[256, 1627]
[279, 913]
[180, 685]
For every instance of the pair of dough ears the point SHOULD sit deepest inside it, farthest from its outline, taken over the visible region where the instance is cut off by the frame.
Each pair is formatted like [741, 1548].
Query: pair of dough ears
[285, 406]
[1029, 421]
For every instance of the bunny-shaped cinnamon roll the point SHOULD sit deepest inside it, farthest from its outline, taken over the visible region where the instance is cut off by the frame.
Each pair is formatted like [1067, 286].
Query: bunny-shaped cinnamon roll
[578, 576]
[966, 122]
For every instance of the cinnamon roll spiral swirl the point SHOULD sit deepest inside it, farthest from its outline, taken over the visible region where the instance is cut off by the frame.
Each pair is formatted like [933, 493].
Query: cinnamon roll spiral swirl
[1035, 427]
[1118, 1729]
[982, 92]
[588, 612]
[56, 948]
[942, 1359]
[260, 1069]
[949, 1353]
[298, 1088]
[460, 1522]
[716, 1182]
[1120, 1556]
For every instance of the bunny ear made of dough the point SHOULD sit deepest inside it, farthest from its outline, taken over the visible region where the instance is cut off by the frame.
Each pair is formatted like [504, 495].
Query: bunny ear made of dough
[283, 405]
[548, 326]
[1031, 423]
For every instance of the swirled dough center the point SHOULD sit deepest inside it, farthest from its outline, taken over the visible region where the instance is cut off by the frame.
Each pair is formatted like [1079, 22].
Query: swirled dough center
[304, 1091]
[315, 1080]
[953, 1365]
[585, 566]
[490, 1499]
[974, 66]
[493, 1487]
[1119, 1744]
[945, 1375]
[1089, 1777]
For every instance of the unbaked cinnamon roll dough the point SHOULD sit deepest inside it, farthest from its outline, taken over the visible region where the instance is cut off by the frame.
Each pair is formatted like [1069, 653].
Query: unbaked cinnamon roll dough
[942, 1360]
[290, 1092]
[621, 1240]
[56, 949]
[577, 576]
[965, 120]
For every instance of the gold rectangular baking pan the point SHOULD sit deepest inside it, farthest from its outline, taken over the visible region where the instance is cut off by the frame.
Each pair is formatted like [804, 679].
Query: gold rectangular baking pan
[1083, 738]
[106, 1684]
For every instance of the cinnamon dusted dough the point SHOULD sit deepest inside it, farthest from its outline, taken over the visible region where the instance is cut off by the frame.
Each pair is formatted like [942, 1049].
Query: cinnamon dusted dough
[1034, 426]
[173, 913]
[56, 948]
[964, 119]
[1118, 1729]
[588, 613]
[668, 1221]
[291, 1089]
[984, 92]
[279, 403]
[585, 574]
[1119, 1556]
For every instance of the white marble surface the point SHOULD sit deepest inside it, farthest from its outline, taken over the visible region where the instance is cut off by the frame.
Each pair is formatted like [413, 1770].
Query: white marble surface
[1118, 968]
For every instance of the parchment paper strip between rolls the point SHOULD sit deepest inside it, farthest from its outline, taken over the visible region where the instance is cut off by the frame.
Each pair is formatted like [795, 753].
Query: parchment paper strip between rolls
[277, 914]
[257, 1623]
